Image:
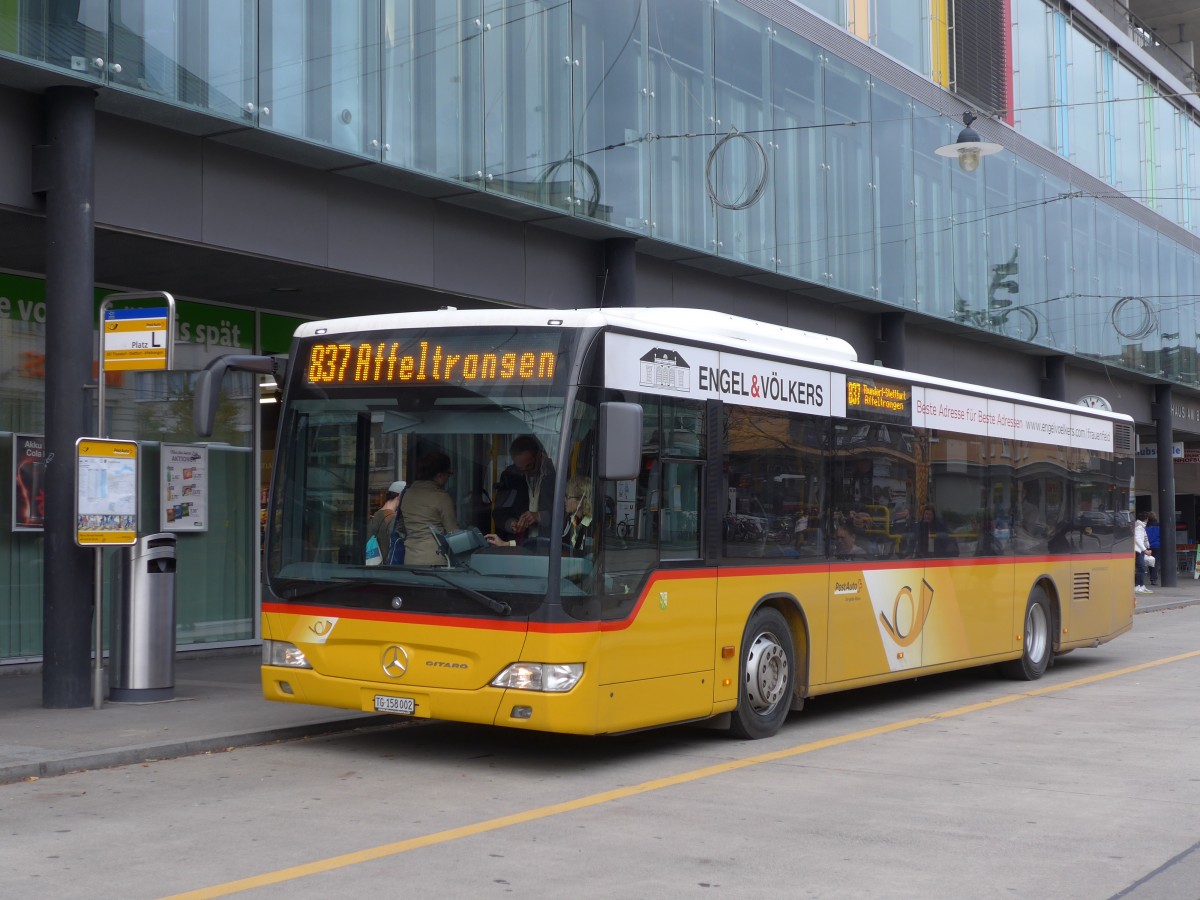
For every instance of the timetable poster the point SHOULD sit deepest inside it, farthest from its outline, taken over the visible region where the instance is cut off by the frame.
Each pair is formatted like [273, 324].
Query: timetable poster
[183, 487]
[29, 478]
[106, 500]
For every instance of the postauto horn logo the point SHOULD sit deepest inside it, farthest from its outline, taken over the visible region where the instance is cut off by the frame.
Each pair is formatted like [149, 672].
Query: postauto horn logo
[908, 614]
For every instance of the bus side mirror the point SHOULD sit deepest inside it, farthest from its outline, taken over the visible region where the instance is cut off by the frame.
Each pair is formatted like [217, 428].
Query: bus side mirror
[620, 441]
[208, 385]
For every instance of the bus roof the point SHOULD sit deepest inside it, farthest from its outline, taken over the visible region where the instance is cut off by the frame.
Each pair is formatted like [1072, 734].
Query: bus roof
[703, 325]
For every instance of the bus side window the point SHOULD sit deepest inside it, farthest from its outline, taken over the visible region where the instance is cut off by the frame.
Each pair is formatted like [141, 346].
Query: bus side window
[680, 510]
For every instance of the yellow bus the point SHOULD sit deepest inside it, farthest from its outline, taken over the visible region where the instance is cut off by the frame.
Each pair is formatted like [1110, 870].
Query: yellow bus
[617, 519]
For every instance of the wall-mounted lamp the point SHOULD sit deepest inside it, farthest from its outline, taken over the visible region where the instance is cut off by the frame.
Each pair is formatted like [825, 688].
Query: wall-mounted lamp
[969, 148]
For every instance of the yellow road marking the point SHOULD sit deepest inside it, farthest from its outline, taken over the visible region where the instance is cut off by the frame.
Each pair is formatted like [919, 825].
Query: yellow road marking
[542, 812]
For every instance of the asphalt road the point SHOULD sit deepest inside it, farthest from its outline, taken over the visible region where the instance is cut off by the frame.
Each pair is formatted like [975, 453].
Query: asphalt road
[1085, 784]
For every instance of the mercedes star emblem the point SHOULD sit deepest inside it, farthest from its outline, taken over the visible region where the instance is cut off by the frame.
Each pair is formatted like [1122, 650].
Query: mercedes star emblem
[395, 661]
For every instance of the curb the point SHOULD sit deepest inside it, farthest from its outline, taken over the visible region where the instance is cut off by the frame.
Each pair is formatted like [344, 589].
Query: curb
[126, 756]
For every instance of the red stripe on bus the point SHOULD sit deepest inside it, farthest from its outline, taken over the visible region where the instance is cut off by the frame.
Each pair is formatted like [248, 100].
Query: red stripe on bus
[374, 615]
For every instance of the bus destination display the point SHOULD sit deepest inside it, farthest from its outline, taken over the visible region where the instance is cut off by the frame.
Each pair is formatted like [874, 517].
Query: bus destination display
[458, 360]
[877, 399]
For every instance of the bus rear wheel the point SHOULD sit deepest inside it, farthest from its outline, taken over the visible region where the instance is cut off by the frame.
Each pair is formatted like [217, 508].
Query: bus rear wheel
[1037, 641]
[768, 676]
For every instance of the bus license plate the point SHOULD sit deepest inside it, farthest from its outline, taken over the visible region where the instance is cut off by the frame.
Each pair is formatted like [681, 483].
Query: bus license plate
[402, 706]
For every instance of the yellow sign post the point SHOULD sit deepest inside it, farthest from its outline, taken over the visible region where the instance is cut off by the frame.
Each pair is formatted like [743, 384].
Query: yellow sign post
[140, 338]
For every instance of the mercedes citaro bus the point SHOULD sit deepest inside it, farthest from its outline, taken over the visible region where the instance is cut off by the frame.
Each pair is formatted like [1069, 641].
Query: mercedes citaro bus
[725, 517]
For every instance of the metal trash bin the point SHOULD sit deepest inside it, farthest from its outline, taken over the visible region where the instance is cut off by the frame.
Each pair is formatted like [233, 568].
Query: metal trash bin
[141, 665]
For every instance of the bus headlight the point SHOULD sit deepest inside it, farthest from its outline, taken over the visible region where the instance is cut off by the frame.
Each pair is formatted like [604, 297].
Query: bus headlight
[549, 677]
[281, 653]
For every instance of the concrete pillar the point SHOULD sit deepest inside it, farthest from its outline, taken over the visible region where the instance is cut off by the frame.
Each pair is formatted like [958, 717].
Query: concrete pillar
[64, 172]
[890, 347]
[618, 281]
[1054, 383]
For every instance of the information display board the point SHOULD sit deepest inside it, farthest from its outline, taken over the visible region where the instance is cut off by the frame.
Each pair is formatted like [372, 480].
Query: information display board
[106, 498]
[183, 487]
[29, 477]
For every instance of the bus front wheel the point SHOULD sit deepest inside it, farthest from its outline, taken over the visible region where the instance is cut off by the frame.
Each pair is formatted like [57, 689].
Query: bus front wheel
[1037, 641]
[768, 676]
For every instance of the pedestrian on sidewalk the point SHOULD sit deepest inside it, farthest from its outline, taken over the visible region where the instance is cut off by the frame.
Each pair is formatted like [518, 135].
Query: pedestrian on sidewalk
[1154, 539]
[1140, 546]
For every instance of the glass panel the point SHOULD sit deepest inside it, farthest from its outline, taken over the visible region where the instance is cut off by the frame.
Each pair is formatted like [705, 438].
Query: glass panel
[1183, 163]
[1095, 502]
[1042, 510]
[850, 263]
[997, 537]
[71, 36]
[318, 76]
[1029, 274]
[895, 210]
[681, 510]
[1085, 271]
[432, 84]
[1167, 158]
[833, 10]
[1084, 93]
[201, 54]
[739, 179]
[683, 119]
[1011, 310]
[934, 213]
[683, 432]
[1092, 317]
[1185, 303]
[956, 521]
[216, 598]
[527, 72]
[880, 483]
[902, 29]
[1193, 162]
[797, 85]
[1033, 94]
[1134, 317]
[1128, 167]
[774, 502]
[1058, 261]
[971, 276]
[611, 109]
[1164, 341]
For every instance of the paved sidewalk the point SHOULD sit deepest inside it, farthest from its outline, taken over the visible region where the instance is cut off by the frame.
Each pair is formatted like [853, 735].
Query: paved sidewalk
[218, 704]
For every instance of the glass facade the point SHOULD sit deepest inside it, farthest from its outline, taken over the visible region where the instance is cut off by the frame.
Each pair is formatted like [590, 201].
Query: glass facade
[706, 126]
[700, 124]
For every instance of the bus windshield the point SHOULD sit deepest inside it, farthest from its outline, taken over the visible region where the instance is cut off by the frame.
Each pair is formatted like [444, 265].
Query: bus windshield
[470, 422]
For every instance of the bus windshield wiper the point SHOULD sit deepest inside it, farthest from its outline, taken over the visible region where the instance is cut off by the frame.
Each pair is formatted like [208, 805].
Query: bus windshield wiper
[294, 591]
[497, 606]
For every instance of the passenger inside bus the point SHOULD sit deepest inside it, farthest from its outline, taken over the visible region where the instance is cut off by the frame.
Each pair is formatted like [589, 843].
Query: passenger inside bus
[524, 495]
[845, 545]
[932, 538]
[426, 505]
[577, 532]
[577, 528]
